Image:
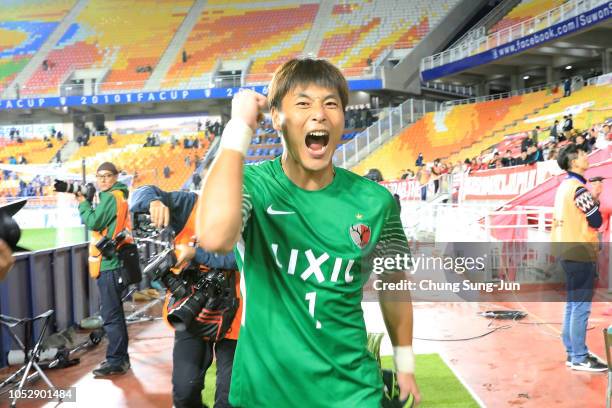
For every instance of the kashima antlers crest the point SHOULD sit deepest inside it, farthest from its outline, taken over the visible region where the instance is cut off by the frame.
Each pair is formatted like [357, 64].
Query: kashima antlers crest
[360, 234]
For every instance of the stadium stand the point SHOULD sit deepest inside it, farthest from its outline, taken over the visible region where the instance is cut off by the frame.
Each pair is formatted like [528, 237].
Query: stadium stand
[146, 164]
[359, 32]
[268, 34]
[454, 133]
[35, 151]
[24, 26]
[93, 41]
[585, 104]
[525, 10]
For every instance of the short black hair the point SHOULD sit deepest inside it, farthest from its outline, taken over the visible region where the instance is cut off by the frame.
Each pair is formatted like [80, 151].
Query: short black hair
[566, 155]
[303, 72]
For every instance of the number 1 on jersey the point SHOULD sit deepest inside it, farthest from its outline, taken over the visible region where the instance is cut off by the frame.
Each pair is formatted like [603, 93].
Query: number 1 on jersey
[311, 297]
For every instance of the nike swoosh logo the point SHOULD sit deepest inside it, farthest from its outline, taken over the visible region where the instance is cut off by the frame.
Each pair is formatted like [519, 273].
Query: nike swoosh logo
[275, 212]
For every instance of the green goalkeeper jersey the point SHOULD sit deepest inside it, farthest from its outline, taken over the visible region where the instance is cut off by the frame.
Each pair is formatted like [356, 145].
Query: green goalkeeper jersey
[303, 341]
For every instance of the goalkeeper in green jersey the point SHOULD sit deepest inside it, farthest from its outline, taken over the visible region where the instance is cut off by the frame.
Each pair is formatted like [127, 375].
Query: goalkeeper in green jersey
[302, 231]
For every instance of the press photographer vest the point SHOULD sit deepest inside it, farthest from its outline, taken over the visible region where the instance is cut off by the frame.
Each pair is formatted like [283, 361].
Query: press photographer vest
[572, 236]
[186, 236]
[123, 223]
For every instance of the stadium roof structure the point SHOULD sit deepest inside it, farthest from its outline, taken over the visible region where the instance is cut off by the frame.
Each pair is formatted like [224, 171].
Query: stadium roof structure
[529, 54]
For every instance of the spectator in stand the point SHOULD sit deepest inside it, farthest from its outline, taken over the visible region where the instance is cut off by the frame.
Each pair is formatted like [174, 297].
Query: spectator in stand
[507, 160]
[567, 87]
[167, 172]
[435, 175]
[494, 162]
[603, 137]
[527, 142]
[422, 177]
[419, 160]
[369, 116]
[535, 133]
[582, 143]
[476, 164]
[548, 147]
[522, 159]
[109, 139]
[534, 154]
[568, 123]
[22, 160]
[554, 134]
[196, 179]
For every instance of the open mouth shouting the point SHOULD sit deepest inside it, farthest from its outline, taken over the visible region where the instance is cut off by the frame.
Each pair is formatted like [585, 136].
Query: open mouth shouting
[316, 143]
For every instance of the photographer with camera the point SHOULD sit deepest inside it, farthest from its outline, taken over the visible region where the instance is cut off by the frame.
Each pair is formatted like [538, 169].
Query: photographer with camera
[202, 305]
[109, 221]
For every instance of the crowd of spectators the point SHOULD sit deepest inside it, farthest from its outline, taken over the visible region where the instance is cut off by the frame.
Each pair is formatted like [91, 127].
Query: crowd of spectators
[358, 116]
[532, 148]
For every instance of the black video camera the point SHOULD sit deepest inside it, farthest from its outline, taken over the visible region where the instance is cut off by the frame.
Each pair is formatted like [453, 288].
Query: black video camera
[207, 292]
[9, 230]
[108, 246]
[88, 190]
[161, 243]
[159, 268]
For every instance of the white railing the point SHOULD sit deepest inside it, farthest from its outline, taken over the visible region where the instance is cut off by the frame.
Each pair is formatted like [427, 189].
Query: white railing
[390, 122]
[450, 88]
[471, 47]
[577, 82]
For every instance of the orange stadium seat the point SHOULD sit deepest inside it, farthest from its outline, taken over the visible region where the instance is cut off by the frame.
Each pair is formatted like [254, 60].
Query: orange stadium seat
[360, 31]
[145, 163]
[591, 104]
[35, 151]
[524, 11]
[452, 134]
[94, 41]
[270, 35]
[24, 26]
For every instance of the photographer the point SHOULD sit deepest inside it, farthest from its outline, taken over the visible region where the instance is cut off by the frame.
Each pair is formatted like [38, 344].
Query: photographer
[107, 220]
[193, 353]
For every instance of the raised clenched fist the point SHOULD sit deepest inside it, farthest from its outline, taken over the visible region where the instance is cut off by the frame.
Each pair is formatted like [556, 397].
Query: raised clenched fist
[248, 105]
[160, 214]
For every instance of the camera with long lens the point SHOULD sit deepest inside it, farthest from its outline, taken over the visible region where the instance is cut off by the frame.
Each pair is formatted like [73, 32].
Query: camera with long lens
[86, 190]
[158, 247]
[9, 229]
[208, 293]
[159, 268]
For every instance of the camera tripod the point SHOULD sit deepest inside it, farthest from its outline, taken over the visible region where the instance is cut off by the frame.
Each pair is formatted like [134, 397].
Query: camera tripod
[32, 355]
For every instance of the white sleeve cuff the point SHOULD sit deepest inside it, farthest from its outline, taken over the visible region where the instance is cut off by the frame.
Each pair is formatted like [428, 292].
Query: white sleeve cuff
[237, 136]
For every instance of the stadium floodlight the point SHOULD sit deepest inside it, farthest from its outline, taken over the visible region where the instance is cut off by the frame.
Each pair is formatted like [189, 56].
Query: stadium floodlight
[568, 67]
[526, 77]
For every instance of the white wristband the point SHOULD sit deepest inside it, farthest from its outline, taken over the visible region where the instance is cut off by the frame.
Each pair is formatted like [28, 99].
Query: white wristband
[403, 357]
[236, 136]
